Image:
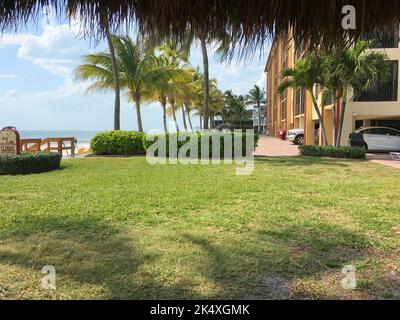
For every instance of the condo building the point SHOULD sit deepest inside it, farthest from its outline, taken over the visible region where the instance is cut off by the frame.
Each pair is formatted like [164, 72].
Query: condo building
[379, 106]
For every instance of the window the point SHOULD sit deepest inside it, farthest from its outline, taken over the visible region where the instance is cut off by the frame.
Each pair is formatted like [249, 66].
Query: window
[395, 124]
[377, 131]
[328, 99]
[380, 40]
[276, 74]
[383, 91]
[359, 124]
[392, 132]
[299, 102]
[283, 105]
[284, 52]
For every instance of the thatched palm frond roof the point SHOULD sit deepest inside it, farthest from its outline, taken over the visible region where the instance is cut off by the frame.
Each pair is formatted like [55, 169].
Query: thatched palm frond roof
[249, 22]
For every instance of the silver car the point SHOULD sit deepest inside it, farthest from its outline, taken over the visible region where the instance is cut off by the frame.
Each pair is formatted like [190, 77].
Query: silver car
[376, 139]
[296, 136]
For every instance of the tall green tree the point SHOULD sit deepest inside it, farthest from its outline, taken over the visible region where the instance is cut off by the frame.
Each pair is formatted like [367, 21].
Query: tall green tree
[117, 89]
[137, 69]
[177, 58]
[306, 73]
[234, 108]
[353, 70]
[171, 82]
[256, 97]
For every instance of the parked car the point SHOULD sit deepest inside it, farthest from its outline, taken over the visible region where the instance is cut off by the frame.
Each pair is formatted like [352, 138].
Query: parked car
[282, 134]
[296, 136]
[376, 139]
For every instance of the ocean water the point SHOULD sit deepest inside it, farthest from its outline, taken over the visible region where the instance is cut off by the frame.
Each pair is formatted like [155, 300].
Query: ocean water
[83, 137]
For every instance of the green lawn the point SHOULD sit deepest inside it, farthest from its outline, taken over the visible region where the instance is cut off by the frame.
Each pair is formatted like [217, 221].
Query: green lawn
[120, 228]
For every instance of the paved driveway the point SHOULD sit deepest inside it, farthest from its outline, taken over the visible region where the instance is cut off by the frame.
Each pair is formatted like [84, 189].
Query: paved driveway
[272, 147]
[383, 159]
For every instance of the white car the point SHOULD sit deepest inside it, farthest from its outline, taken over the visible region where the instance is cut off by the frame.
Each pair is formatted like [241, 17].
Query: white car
[296, 136]
[378, 139]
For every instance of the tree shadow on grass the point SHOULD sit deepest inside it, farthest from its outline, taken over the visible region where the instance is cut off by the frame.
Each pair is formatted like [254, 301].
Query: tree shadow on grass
[92, 258]
[296, 252]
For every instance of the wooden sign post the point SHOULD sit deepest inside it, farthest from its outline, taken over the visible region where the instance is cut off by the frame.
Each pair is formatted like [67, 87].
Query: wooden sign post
[9, 141]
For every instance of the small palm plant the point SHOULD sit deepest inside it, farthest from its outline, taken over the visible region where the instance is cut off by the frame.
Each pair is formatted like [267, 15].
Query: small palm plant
[306, 73]
[256, 97]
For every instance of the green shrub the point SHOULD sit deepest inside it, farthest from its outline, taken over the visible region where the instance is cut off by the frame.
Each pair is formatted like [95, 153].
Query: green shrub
[333, 152]
[29, 163]
[198, 138]
[118, 143]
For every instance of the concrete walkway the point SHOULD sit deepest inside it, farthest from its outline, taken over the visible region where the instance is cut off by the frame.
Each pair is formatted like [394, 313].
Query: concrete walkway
[383, 159]
[272, 147]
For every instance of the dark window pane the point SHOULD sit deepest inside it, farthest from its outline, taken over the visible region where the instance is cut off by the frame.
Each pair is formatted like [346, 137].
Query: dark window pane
[379, 40]
[382, 91]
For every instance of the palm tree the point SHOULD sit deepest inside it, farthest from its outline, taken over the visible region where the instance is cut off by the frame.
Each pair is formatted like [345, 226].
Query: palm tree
[177, 59]
[117, 104]
[168, 84]
[353, 70]
[137, 68]
[234, 108]
[256, 96]
[306, 73]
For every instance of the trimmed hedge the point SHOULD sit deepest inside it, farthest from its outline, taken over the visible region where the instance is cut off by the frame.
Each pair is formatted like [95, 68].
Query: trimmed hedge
[29, 163]
[198, 138]
[333, 152]
[118, 143]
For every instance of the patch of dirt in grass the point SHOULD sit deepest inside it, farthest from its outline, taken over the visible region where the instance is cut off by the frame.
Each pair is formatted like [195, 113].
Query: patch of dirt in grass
[5, 294]
[377, 277]
[270, 286]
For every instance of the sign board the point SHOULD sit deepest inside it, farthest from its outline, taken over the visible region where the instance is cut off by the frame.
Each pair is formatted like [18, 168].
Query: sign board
[9, 141]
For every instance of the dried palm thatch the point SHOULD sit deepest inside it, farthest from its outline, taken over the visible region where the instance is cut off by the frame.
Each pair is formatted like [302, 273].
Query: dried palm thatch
[248, 22]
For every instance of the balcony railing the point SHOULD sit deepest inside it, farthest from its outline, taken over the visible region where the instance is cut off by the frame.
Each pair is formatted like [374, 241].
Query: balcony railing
[381, 92]
[379, 40]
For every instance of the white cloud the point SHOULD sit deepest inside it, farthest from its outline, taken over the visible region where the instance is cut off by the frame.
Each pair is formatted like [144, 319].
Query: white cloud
[262, 81]
[13, 39]
[57, 50]
[8, 76]
[13, 93]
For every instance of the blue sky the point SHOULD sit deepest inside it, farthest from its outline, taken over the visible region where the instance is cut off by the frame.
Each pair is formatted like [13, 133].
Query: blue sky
[38, 91]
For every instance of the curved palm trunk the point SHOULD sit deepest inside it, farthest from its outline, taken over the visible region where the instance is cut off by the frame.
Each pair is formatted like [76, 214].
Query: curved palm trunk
[163, 101]
[164, 108]
[334, 125]
[184, 117]
[138, 113]
[189, 119]
[172, 103]
[321, 120]
[206, 81]
[117, 105]
[341, 119]
[259, 116]
[201, 123]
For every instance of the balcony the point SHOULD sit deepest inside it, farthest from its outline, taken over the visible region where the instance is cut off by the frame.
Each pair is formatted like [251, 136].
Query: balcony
[382, 91]
[380, 40]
